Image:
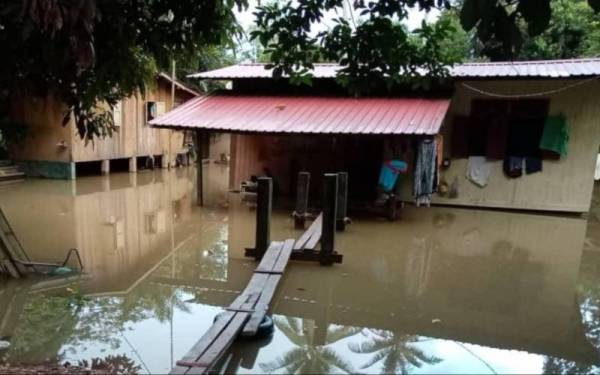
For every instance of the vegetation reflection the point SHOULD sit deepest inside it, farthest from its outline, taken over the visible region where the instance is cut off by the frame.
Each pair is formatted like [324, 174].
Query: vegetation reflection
[396, 351]
[308, 355]
[588, 291]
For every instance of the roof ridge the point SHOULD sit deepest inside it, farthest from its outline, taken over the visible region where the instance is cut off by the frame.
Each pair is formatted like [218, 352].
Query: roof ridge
[263, 64]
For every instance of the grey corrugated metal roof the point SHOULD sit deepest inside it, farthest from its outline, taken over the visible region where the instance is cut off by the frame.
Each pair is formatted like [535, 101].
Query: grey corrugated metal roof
[541, 69]
[532, 69]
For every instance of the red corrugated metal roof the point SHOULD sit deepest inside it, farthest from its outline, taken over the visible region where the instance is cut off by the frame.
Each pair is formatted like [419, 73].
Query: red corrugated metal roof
[309, 115]
[534, 69]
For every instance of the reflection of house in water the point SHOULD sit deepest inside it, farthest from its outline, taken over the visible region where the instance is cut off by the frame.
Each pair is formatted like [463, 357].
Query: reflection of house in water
[496, 279]
[121, 224]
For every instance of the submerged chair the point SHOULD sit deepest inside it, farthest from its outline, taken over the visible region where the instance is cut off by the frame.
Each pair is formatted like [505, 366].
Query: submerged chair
[15, 262]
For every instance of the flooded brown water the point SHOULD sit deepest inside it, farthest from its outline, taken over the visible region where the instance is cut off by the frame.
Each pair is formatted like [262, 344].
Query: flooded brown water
[444, 290]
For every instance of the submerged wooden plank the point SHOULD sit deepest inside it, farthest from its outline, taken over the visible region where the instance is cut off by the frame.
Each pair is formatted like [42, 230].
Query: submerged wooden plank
[306, 236]
[214, 343]
[250, 295]
[315, 237]
[205, 341]
[284, 256]
[221, 344]
[251, 328]
[244, 315]
[270, 257]
[260, 310]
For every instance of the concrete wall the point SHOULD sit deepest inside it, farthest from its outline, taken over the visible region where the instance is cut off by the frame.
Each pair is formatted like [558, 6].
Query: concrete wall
[564, 185]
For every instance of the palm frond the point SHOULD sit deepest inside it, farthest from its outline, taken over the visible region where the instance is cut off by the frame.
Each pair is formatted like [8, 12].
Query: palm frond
[371, 346]
[290, 328]
[333, 359]
[338, 333]
[289, 359]
[374, 359]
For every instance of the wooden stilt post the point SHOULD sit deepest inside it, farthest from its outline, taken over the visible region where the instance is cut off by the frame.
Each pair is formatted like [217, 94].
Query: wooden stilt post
[330, 190]
[105, 166]
[199, 179]
[133, 164]
[392, 208]
[301, 200]
[263, 215]
[342, 201]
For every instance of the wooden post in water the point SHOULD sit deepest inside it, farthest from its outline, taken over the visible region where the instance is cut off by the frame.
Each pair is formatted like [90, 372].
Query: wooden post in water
[263, 215]
[199, 157]
[330, 190]
[342, 201]
[301, 200]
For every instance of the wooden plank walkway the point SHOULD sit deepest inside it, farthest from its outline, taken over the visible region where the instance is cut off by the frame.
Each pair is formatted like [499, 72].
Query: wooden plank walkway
[243, 316]
[310, 238]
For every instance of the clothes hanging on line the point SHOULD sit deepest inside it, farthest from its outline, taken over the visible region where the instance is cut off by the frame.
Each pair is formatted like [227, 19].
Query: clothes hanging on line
[533, 164]
[390, 170]
[555, 136]
[425, 181]
[478, 170]
[513, 166]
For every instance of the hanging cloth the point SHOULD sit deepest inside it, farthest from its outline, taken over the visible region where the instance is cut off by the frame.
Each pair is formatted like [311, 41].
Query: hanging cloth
[555, 136]
[478, 170]
[390, 170]
[513, 166]
[425, 172]
[533, 164]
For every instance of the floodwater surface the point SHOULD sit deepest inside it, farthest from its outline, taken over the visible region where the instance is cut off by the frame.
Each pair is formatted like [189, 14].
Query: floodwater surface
[443, 290]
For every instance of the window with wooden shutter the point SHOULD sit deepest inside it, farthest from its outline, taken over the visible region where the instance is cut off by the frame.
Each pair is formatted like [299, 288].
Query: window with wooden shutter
[118, 113]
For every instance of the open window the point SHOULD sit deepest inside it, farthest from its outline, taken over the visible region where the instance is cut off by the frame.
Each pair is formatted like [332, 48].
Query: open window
[498, 128]
[117, 112]
[154, 109]
[156, 222]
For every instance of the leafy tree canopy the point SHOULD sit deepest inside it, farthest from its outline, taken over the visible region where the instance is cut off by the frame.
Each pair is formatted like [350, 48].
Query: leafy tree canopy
[378, 47]
[573, 31]
[98, 51]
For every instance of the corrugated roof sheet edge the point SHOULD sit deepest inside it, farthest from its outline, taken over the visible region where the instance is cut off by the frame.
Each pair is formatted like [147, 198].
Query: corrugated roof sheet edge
[539, 68]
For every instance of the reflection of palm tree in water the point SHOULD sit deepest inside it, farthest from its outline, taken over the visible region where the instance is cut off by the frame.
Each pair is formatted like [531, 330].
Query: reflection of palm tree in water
[307, 357]
[395, 350]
